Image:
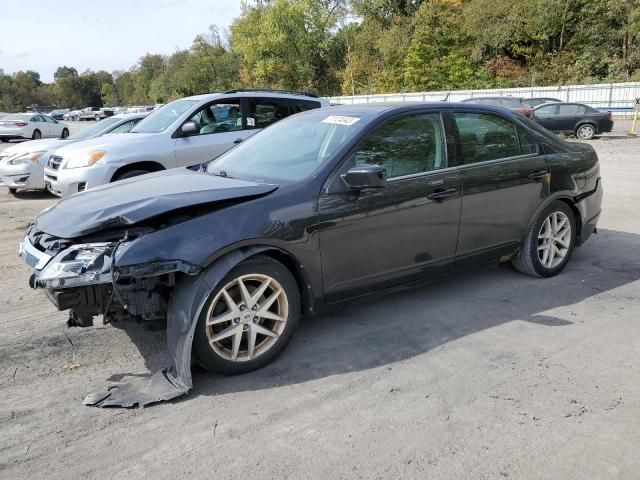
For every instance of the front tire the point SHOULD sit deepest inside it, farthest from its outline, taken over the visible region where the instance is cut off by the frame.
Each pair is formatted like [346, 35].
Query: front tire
[36, 135]
[13, 191]
[248, 318]
[65, 133]
[586, 131]
[549, 242]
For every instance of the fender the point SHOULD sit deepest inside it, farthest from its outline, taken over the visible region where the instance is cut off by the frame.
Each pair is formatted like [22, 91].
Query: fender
[308, 274]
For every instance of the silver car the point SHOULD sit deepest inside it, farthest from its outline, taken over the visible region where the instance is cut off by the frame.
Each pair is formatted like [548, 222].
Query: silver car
[22, 165]
[182, 133]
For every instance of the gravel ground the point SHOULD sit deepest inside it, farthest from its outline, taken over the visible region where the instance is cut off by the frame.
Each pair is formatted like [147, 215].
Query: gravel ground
[482, 374]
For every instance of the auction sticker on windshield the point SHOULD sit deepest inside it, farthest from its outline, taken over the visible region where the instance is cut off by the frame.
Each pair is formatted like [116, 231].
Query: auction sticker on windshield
[340, 120]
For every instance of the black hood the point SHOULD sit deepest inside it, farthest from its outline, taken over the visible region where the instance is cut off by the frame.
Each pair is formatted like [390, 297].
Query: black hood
[129, 202]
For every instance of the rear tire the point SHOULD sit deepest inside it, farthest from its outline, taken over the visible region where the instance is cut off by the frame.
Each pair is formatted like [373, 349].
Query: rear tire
[130, 174]
[13, 191]
[97, 117]
[548, 245]
[65, 133]
[268, 322]
[586, 131]
[4, 140]
[36, 135]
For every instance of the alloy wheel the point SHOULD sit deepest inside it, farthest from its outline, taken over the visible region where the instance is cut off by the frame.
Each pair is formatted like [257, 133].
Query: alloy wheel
[247, 317]
[554, 239]
[586, 132]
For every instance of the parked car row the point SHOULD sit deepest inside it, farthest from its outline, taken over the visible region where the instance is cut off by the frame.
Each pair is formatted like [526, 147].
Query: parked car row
[183, 133]
[576, 119]
[22, 165]
[318, 208]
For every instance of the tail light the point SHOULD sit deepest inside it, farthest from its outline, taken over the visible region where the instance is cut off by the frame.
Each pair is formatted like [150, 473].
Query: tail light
[21, 124]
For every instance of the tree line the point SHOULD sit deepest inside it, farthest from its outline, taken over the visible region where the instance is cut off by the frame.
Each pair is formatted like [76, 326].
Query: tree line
[348, 47]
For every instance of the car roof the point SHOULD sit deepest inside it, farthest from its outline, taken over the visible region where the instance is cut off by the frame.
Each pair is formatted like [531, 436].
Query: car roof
[383, 107]
[256, 93]
[496, 97]
[563, 103]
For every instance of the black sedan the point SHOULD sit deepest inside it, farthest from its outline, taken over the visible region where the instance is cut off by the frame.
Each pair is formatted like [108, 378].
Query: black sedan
[576, 119]
[319, 208]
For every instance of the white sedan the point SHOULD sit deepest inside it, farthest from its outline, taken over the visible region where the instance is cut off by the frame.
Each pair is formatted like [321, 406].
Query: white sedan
[31, 126]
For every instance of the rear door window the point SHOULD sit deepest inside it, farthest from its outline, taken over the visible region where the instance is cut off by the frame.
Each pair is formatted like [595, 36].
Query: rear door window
[265, 111]
[485, 137]
[298, 106]
[571, 110]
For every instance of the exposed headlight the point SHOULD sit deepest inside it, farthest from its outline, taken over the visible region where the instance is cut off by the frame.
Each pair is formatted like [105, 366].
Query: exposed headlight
[31, 157]
[78, 265]
[85, 159]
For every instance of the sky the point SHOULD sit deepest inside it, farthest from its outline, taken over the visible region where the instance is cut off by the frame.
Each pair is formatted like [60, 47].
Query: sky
[109, 35]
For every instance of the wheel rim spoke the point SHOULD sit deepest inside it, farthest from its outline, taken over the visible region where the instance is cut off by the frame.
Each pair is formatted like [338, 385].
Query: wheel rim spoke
[270, 315]
[264, 331]
[269, 301]
[246, 296]
[225, 317]
[237, 339]
[226, 333]
[251, 339]
[260, 291]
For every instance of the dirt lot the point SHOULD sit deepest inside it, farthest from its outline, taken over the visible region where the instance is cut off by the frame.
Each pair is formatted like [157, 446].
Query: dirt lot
[485, 374]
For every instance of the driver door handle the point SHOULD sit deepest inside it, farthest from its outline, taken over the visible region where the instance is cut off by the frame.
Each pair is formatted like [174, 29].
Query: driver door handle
[442, 194]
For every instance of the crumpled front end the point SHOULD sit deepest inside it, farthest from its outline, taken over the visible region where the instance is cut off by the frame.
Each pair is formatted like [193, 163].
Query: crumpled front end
[84, 279]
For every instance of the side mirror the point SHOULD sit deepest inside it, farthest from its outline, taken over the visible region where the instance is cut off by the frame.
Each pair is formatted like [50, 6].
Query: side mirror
[366, 176]
[189, 128]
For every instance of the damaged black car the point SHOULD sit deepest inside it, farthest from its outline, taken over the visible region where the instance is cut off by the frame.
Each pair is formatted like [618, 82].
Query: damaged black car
[319, 208]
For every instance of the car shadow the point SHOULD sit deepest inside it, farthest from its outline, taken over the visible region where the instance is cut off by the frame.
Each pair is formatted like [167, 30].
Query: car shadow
[384, 329]
[33, 195]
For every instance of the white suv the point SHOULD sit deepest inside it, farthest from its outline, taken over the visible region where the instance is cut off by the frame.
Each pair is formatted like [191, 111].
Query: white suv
[185, 132]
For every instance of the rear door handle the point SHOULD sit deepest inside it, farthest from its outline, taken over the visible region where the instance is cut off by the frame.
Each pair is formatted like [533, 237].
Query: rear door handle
[538, 174]
[238, 140]
[441, 194]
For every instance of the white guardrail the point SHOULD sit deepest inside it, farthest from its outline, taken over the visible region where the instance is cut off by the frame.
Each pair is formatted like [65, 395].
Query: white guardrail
[618, 98]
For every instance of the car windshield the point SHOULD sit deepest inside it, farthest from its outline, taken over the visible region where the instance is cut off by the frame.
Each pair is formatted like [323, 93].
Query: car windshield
[94, 130]
[159, 120]
[290, 150]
